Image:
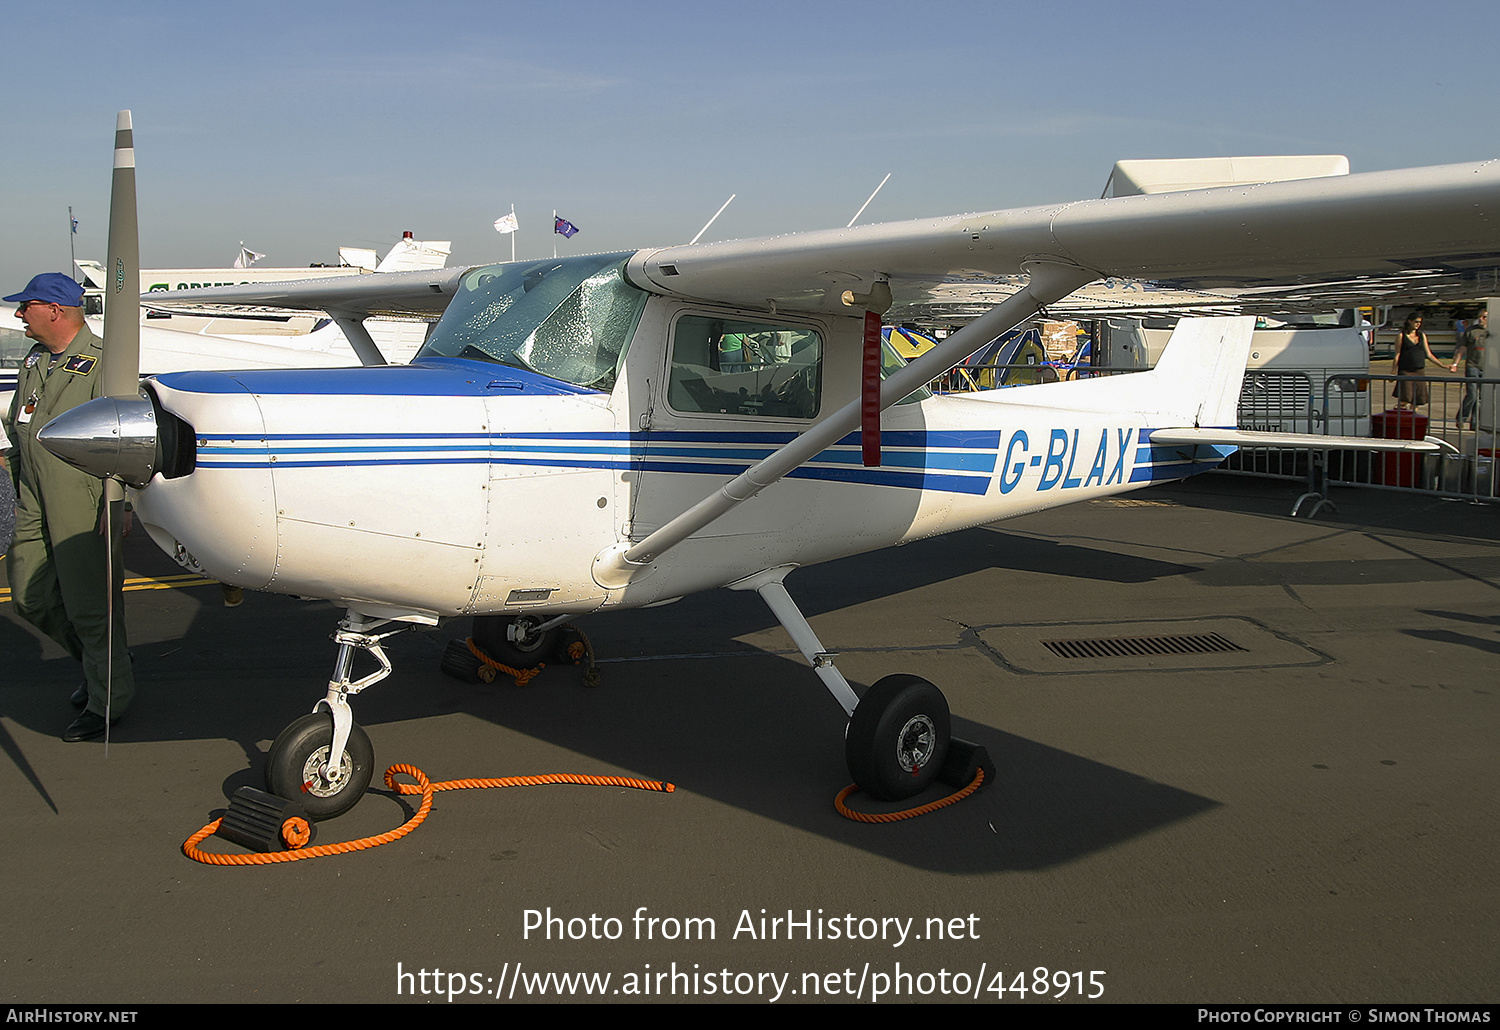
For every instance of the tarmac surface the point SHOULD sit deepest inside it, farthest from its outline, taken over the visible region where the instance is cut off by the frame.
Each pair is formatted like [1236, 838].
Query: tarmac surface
[1310, 818]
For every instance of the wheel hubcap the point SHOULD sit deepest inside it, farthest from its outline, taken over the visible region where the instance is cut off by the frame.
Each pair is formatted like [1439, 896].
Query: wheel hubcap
[524, 636]
[916, 743]
[320, 781]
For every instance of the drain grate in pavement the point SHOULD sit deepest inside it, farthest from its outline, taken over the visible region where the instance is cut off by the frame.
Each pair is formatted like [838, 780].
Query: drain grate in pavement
[1119, 647]
[1144, 645]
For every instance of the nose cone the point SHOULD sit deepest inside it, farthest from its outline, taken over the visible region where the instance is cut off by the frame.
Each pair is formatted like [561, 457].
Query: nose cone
[110, 437]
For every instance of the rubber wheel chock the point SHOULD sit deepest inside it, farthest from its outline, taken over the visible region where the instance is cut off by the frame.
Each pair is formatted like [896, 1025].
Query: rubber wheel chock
[964, 759]
[255, 818]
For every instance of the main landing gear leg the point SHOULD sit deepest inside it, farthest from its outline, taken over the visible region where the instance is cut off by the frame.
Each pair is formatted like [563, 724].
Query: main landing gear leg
[324, 760]
[768, 584]
[899, 733]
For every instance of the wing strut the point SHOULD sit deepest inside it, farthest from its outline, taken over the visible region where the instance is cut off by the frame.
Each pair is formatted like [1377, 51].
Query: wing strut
[1049, 282]
[359, 338]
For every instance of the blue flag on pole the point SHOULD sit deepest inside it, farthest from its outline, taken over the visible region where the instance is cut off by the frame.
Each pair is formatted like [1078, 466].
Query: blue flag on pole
[564, 227]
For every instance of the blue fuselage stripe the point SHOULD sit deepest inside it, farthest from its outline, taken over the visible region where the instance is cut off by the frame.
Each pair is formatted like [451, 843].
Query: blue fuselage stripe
[949, 461]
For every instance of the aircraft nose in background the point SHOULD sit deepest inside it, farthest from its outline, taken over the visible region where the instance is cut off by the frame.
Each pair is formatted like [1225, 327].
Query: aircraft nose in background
[110, 437]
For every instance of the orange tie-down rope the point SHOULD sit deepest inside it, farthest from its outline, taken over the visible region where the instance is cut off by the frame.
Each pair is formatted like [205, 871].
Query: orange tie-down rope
[489, 668]
[296, 835]
[909, 813]
[578, 650]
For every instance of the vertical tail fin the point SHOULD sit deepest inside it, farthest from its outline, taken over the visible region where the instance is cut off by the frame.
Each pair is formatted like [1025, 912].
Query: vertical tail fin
[1198, 377]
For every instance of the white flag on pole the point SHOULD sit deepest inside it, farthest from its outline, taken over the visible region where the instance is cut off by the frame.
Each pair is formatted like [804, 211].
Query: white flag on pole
[247, 257]
[507, 223]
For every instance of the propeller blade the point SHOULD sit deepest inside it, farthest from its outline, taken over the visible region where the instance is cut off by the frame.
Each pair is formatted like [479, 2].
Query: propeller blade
[121, 375]
[122, 293]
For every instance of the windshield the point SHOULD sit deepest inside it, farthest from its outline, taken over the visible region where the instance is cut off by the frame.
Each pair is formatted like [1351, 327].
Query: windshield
[566, 318]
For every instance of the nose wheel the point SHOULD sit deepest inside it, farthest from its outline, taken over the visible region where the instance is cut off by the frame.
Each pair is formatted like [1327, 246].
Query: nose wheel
[297, 767]
[898, 737]
[515, 640]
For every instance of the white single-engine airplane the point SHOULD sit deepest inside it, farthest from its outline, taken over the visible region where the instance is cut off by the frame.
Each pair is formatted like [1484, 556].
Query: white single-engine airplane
[593, 433]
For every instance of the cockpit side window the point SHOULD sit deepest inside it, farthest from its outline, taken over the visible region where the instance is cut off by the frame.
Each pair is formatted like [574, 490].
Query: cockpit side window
[726, 366]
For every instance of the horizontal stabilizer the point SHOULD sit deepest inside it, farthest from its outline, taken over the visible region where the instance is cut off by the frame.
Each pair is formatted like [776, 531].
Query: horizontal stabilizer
[1295, 441]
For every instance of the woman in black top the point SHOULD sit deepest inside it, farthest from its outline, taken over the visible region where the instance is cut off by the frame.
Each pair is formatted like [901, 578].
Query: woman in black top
[1412, 352]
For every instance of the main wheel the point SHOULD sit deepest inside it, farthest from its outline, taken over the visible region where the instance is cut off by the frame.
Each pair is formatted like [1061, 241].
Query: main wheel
[527, 651]
[898, 737]
[295, 766]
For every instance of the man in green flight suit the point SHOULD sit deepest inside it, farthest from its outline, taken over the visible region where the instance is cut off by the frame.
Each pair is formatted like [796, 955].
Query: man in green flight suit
[59, 572]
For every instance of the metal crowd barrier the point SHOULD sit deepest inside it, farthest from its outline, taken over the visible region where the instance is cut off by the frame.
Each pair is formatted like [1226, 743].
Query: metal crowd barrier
[1460, 413]
[1278, 402]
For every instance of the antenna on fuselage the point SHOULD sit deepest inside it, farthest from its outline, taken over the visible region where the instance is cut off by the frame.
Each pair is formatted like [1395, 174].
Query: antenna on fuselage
[867, 201]
[711, 221]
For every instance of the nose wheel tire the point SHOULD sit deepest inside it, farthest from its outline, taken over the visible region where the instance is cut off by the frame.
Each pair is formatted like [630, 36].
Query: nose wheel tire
[898, 737]
[297, 767]
[528, 650]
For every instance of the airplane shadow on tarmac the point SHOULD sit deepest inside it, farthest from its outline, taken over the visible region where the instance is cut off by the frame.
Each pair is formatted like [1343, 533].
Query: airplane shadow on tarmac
[746, 727]
[20, 651]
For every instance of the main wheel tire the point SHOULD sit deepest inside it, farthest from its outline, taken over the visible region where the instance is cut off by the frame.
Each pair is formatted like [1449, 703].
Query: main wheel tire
[491, 633]
[898, 737]
[301, 750]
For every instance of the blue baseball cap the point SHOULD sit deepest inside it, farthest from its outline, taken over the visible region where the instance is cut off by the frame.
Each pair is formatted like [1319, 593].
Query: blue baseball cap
[50, 288]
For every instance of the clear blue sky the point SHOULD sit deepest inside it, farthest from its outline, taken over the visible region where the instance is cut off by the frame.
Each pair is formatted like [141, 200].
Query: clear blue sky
[297, 127]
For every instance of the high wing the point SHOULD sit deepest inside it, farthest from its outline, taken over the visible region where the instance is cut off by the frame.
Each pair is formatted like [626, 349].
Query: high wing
[348, 300]
[423, 293]
[1410, 235]
[1413, 233]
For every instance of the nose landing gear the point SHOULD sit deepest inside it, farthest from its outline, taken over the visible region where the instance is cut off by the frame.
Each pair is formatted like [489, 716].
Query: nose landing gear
[324, 760]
